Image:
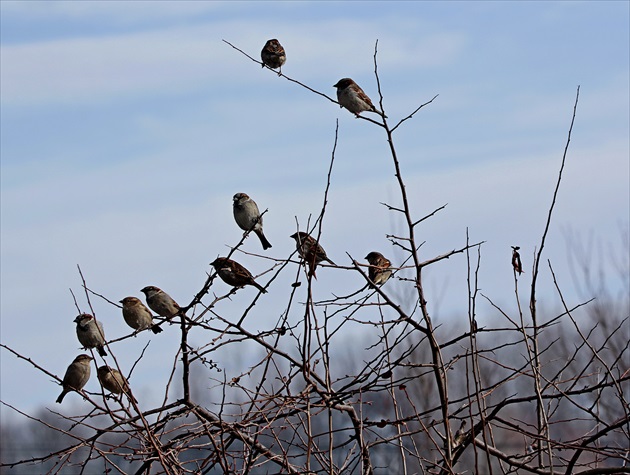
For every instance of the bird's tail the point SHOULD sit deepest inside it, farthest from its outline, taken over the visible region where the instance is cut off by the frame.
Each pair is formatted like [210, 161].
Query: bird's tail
[263, 240]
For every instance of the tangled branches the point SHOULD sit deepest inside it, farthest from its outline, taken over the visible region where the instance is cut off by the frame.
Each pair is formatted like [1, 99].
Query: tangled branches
[416, 398]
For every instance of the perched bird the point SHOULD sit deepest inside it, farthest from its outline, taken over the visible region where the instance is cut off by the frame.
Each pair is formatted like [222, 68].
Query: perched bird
[90, 333]
[137, 315]
[352, 97]
[113, 381]
[310, 250]
[234, 274]
[273, 55]
[380, 268]
[77, 376]
[461, 433]
[248, 217]
[516, 260]
[161, 302]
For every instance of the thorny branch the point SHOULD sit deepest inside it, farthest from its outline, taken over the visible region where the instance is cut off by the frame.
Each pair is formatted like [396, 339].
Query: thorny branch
[362, 383]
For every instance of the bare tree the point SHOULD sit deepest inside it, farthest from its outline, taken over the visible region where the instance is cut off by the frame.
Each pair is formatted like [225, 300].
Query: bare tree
[530, 394]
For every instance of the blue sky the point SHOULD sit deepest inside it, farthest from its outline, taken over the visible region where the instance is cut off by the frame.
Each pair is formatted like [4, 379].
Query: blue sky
[126, 127]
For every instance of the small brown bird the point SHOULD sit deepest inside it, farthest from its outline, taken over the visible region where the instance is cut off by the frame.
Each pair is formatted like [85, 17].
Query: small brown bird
[380, 268]
[77, 376]
[352, 97]
[90, 333]
[114, 382]
[137, 315]
[161, 302]
[516, 260]
[310, 250]
[248, 217]
[234, 274]
[273, 55]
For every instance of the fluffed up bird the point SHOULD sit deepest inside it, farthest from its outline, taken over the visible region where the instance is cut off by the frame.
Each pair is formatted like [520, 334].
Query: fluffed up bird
[77, 376]
[352, 97]
[248, 217]
[310, 250]
[161, 302]
[234, 274]
[90, 333]
[380, 268]
[137, 315]
[114, 382]
[516, 260]
[273, 55]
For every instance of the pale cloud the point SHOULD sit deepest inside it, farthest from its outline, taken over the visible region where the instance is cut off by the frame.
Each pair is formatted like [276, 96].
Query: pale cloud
[92, 69]
[157, 212]
[121, 13]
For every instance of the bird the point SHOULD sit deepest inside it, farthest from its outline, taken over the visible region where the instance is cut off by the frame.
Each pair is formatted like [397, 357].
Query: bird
[352, 97]
[77, 375]
[248, 217]
[112, 380]
[137, 315]
[310, 250]
[273, 55]
[90, 333]
[380, 268]
[234, 274]
[161, 302]
[516, 260]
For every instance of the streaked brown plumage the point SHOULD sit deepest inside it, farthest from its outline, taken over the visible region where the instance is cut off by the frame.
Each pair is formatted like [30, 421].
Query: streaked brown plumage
[380, 268]
[234, 274]
[273, 55]
[352, 97]
[310, 250]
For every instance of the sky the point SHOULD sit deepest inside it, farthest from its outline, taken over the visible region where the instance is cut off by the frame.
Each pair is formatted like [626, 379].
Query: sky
[127, 127]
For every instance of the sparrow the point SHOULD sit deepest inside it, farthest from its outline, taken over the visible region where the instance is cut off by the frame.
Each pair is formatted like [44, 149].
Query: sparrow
[380, 268]
[113, 381]
[352, 97]
[137, 315]
[77, 375]
[310, 250]
[90, 333]
[161, 302]
[234, 274]
[516, 260]
[248, 217]
[273, 55]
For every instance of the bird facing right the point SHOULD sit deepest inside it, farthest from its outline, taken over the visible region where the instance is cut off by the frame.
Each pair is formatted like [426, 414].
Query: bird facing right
[90, 333]
[380, 268]
[273, 55]
[352, 97]
[234, 274]
[137, 315]
[161, 302]
[248, 217]
[77, 376]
